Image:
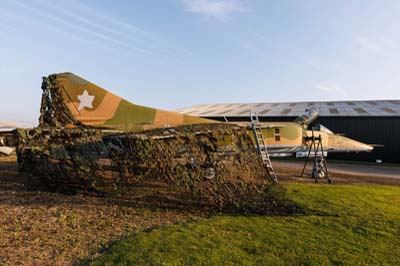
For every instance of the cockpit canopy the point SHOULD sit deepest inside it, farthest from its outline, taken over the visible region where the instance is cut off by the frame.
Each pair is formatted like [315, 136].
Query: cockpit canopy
[309, 116]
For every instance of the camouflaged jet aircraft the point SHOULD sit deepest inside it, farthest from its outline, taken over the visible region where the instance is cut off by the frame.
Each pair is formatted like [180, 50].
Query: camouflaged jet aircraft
[94, 106]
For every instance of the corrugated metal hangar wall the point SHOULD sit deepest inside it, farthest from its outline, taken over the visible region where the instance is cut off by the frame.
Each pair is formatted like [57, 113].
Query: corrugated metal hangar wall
[372, 130]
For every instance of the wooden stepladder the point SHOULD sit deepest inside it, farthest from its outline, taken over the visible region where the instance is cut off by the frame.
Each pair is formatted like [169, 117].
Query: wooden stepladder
[320, 168]
[261, 145]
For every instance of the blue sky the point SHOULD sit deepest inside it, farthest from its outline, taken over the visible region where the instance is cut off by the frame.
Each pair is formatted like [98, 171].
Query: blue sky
[177, 53]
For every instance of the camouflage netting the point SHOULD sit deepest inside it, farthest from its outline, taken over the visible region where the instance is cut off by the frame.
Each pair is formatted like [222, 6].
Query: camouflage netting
[53, 111]
[215, 162]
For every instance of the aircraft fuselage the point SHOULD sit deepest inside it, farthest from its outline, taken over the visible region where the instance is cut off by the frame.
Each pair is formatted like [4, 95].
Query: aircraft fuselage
[286, 139]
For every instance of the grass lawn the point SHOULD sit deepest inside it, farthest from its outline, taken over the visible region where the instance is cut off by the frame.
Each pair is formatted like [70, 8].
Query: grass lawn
[361, 227]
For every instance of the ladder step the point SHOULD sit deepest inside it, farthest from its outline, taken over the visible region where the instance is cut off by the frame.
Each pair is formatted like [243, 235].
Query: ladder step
[261, 145]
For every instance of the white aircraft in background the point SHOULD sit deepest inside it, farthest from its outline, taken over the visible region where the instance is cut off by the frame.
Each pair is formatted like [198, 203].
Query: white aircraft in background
[7, 145]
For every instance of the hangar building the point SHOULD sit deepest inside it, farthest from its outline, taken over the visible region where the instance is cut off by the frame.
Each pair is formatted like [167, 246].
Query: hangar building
[372, 122]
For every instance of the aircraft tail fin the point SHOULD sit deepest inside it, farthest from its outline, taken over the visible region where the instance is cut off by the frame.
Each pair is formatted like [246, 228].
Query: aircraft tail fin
[80, 101]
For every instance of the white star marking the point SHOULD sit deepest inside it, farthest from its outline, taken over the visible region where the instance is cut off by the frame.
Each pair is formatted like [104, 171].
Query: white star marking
[86, 100]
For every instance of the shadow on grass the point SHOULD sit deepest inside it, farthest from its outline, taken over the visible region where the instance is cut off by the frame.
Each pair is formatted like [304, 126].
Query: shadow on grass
[285, 208]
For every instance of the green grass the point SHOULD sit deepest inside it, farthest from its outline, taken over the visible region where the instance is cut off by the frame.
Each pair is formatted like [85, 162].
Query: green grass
[361, 227]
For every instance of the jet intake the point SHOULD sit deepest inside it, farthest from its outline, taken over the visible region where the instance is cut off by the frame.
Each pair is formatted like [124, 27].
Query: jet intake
[322, 128]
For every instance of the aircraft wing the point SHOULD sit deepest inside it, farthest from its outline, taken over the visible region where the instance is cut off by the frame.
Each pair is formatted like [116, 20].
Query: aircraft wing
[264, 125]
[9, 127]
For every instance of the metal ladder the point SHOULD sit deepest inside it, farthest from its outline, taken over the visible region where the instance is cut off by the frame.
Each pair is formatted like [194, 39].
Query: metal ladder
[261, 145]
[320, 167]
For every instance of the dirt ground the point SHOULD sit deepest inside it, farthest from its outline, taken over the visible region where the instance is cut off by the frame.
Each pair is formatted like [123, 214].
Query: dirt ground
[341, 173]
[44, 228]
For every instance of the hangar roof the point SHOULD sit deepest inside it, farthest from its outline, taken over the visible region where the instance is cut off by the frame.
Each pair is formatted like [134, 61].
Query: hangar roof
[294, 109]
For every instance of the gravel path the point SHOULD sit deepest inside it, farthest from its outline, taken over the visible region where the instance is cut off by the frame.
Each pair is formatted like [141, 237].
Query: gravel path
[345, 173]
